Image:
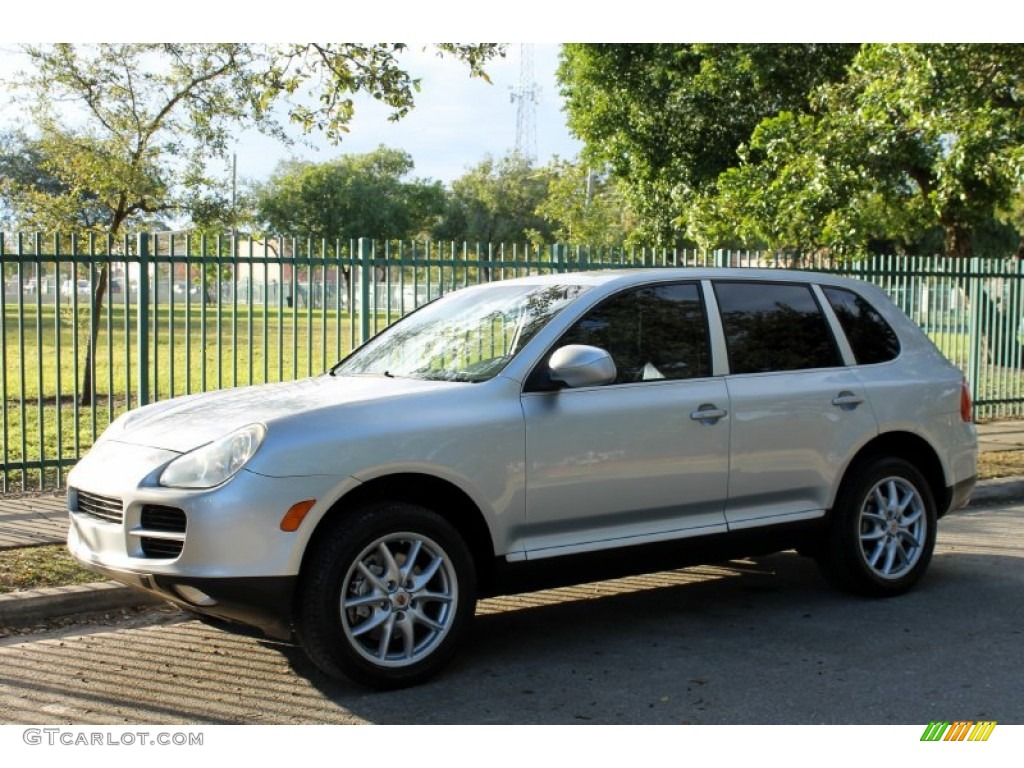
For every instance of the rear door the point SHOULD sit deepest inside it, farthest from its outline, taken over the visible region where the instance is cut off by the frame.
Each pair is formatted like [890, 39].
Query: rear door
[798, 412]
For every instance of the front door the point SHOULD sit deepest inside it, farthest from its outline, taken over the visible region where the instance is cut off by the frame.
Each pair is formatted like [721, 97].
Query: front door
[644, 458]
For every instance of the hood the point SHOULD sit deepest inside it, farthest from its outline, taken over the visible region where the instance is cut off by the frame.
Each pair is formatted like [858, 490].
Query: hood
[184, 423]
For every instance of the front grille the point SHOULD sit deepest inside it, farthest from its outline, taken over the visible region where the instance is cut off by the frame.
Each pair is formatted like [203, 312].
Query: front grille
[106, 508]
[161, 548]
[168, 519]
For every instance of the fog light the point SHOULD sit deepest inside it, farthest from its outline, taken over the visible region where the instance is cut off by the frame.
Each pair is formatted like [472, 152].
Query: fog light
[193, 595]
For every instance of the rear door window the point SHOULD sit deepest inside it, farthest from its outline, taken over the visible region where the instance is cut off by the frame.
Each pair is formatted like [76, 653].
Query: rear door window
[774, 327]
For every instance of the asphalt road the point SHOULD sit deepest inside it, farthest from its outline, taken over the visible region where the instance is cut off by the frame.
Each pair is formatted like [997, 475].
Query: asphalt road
[764, 641]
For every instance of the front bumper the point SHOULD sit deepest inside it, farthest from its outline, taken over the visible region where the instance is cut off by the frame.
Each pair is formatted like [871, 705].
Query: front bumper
[219, 552]
[123, 520]
[264, 603]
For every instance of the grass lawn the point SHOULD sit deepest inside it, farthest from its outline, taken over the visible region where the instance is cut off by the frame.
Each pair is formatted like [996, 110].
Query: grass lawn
[35, 567]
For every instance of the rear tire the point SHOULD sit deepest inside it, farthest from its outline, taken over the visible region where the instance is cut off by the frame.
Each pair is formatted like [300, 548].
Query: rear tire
[881, 533]
[386, 595]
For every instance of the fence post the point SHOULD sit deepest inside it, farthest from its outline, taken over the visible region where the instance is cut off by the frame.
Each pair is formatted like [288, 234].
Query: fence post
[365, 276]
[142, 319]
[976, 340]
[558, 258]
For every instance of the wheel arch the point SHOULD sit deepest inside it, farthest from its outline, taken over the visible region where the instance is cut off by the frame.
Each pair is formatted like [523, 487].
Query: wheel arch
[911, 448]
[440, 495]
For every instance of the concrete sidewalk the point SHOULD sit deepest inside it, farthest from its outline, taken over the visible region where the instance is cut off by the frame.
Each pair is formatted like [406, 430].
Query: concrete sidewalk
[1001, 436]
[30, 520]
[43, 519]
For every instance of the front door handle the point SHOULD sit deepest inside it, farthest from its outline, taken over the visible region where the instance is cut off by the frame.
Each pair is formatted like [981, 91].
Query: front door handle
[847, 401]
[708, 413]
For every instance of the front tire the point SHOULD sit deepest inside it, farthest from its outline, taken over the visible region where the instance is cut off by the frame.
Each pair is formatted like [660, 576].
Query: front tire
[881, 533]
[386, 595]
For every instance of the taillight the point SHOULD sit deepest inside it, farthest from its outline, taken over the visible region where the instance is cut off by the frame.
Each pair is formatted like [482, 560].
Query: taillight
[966, 408]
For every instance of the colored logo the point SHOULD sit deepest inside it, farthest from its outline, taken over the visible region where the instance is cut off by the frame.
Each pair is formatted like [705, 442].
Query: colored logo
[961, 730]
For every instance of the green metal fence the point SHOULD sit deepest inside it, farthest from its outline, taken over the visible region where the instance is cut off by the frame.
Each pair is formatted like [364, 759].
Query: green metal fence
[183, 314]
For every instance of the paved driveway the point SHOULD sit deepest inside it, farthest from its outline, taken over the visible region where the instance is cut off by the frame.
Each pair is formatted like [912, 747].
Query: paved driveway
[763, 641]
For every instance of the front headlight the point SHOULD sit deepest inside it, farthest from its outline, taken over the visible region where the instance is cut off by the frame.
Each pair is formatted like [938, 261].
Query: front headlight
[216, 462]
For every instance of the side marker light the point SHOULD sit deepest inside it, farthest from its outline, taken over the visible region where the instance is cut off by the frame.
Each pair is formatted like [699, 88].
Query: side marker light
[293, 517]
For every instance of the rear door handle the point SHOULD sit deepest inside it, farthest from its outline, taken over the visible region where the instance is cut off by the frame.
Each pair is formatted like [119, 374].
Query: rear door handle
[708, 413]
[847, 401]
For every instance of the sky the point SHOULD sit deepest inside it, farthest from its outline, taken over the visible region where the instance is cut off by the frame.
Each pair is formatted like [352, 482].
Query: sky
[456, 122]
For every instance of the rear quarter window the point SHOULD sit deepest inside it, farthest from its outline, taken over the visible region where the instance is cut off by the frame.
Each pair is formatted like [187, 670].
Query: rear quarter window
[872, 339]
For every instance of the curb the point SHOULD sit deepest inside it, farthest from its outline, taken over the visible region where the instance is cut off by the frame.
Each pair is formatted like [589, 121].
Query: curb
[36, 606]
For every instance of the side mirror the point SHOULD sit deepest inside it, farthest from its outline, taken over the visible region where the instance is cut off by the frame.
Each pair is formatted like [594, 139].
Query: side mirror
[579, 365]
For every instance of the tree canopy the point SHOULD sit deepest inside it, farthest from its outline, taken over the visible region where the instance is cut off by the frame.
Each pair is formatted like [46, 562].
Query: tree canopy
[916, 138]
[366, 195]
[842, 148]
[668, 118]
[586, 206]
[496, 201]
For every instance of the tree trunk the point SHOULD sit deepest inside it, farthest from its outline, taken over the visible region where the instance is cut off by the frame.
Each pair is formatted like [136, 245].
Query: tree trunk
[88, 393]
[959, 242]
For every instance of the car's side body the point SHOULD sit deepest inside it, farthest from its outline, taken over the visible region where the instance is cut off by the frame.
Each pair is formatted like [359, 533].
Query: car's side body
[530, 472]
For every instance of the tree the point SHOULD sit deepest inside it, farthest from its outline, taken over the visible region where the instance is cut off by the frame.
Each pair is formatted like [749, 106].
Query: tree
[915, 138]
[1013, 217]
[28, 188]
[588, 207]
[668, 119]
[131, 126]
[367, 195]
[496, 202]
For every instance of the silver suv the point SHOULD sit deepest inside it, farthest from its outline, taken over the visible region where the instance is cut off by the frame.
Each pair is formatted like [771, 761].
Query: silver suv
[533, 431]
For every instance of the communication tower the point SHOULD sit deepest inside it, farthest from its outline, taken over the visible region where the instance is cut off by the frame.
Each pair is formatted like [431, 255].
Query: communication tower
[525, 95]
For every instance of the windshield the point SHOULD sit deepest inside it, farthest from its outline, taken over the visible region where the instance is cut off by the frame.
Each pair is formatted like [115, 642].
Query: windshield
[469, 335]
